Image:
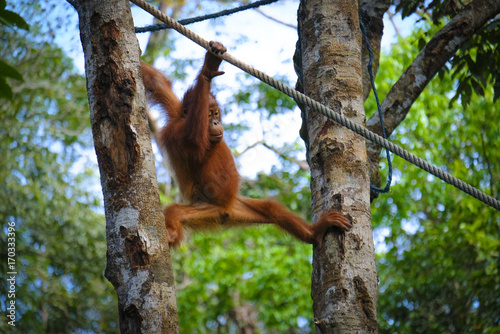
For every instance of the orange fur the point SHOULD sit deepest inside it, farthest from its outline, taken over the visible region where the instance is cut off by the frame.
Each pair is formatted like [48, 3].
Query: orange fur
[205, 169]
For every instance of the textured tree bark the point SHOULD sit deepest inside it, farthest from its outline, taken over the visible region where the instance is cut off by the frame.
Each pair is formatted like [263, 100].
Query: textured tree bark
[344, 282]
[139, 265]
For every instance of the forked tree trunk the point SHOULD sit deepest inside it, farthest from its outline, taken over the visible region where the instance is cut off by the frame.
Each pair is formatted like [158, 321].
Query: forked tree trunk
[344, 282]
[138, 255]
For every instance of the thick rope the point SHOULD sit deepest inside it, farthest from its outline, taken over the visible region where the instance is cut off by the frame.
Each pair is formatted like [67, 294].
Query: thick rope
[161, 26]
[308, 102]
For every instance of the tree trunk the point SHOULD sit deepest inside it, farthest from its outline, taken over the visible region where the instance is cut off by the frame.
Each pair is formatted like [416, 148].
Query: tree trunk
[138, 255]
[344, 282]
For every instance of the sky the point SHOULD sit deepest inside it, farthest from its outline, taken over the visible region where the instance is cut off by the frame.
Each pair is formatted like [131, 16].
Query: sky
[267, 46]
[258, 41]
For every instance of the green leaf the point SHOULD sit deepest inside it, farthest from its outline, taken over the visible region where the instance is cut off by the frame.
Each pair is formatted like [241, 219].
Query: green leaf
[13, 19]
[466, 94]
[5, 90]
[8, 71]
[477, 87]
[422, 43]
[496, 87]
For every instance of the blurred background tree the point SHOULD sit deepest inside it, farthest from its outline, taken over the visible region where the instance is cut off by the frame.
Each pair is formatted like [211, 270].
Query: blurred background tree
[60, 240]
[439, 248]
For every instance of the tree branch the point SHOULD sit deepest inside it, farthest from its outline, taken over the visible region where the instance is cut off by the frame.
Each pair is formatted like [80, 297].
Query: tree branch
[275, 19]
[237, 155]
[429, 61]
[302, 164]
[391, 18]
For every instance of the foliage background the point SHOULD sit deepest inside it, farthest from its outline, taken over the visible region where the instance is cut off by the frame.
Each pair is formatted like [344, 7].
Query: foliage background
[438, 266]
[60, 241]
[437, 248]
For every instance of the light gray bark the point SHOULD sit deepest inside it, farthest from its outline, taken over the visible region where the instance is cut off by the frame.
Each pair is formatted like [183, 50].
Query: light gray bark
[139, 265]
[344, 282]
